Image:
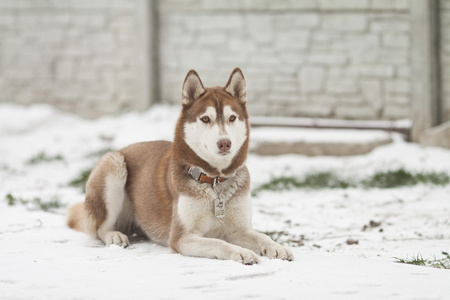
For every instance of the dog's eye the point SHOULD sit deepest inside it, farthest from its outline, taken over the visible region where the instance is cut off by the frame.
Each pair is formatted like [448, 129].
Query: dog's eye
[205, 119]
[232, 118]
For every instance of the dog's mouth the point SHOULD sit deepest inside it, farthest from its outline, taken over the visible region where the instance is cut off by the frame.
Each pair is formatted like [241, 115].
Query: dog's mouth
[224, 153]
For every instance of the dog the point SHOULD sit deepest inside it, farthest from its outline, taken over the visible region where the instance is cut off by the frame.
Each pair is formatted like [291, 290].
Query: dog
[192, 194]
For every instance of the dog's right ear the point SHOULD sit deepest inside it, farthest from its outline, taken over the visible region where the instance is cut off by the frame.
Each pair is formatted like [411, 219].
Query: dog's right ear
[192, 88]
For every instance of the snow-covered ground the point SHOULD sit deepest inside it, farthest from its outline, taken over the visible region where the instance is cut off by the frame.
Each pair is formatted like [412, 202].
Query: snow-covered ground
[40, 258]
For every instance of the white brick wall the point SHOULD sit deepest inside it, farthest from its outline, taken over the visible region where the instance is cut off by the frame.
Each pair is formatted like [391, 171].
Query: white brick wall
[319, 58]
[345, 59]
[445, 57]
[82, 56]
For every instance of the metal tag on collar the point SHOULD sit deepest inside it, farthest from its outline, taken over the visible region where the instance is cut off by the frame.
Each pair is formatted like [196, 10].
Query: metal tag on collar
[195, 173]
[219, 207]
[219, 202]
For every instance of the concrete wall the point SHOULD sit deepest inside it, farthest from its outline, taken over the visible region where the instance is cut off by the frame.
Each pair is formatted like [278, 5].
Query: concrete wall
[343, 59]
[88, 57]
[352, 59]
[445, 57]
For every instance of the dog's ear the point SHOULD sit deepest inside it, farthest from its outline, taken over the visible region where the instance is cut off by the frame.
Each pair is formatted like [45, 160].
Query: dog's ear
[192, 88]
[236, 85]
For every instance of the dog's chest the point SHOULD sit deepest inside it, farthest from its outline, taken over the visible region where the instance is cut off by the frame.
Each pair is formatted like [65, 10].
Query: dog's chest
[199, 213]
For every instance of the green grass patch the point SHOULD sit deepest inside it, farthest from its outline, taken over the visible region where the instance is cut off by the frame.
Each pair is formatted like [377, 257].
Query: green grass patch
[402, 177]
[320, 180]
[35, 203]
[417, 260]
[330, 180]
[12, 200]
[43, 157]
[81, 180]
[441, 263]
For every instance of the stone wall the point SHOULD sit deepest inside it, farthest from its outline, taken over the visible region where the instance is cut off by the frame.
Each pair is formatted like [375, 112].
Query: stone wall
[317, 58]
[343, 59]
[445, 58]
[88, 57]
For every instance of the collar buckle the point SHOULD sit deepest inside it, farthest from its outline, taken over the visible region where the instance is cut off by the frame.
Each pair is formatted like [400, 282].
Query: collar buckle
[195, 173]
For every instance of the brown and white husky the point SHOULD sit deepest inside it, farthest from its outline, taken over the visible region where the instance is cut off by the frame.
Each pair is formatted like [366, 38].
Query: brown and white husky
[192, 194]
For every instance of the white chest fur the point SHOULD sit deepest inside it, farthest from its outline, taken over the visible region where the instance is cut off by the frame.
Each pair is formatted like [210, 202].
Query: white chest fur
[198, 214]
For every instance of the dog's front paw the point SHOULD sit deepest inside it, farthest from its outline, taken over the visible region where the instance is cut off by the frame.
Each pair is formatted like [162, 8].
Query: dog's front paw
[116, 238]
[274, 250]
[245, 256]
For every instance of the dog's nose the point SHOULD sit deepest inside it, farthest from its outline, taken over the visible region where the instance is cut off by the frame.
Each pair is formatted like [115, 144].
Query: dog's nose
[224, 145]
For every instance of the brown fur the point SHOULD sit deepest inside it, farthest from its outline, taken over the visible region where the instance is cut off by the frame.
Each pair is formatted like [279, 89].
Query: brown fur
[147, 187]
[76, 217]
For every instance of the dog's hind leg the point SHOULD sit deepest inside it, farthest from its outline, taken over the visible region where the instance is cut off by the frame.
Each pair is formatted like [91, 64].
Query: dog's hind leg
[105, 196]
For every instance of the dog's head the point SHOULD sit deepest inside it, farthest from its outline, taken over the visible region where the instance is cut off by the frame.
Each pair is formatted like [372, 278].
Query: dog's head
[214, 123]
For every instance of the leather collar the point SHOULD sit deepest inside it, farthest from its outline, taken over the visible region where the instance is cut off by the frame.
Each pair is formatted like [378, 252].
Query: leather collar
[199, 176]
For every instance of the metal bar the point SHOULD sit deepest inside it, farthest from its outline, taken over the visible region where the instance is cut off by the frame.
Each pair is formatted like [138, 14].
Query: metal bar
[400, 126]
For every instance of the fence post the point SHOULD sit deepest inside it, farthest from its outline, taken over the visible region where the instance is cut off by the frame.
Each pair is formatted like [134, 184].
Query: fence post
[425, 66]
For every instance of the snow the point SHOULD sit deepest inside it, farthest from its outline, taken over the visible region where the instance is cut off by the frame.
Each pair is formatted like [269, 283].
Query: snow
[40, 258]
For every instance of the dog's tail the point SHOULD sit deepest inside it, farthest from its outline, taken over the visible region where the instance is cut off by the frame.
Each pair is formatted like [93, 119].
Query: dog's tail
[75, 219]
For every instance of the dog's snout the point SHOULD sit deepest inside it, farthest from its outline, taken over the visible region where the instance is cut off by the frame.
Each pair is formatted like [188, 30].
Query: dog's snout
[224, 145]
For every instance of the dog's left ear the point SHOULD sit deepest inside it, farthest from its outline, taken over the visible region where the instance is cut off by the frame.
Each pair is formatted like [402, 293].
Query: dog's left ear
[236, 86]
